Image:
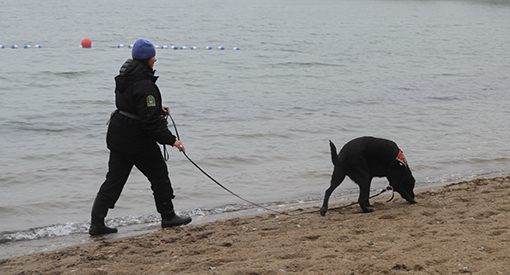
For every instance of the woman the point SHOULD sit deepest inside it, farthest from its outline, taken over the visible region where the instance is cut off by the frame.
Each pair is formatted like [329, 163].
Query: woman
[134, 131]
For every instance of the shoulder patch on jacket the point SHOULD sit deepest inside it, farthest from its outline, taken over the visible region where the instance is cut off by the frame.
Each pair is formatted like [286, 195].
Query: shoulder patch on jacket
[151, 101]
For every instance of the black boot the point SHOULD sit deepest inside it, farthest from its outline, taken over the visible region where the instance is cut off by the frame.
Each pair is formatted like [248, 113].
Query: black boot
[168, 216]
[101, 229]
[99, 211]
[171, 219]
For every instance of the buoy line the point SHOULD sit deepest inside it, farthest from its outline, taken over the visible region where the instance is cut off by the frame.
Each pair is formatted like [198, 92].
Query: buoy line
[27, 46]
[87, 43]
[14, 46]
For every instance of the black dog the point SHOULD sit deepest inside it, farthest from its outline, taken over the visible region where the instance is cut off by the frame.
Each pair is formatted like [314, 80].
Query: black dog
[364, 158]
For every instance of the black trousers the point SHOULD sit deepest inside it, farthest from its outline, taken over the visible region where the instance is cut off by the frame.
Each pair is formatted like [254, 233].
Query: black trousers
[151, 163]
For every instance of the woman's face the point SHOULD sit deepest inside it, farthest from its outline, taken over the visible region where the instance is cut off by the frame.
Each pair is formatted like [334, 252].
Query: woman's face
[152, 61]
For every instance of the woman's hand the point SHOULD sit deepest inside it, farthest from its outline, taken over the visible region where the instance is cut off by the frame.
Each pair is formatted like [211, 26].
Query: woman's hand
[178, 145]
[166, 110]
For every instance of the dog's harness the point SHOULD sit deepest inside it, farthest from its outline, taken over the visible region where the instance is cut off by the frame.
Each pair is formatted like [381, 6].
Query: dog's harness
[401, 158]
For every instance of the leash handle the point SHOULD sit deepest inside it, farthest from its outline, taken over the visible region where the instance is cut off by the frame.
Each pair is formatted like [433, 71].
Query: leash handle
[166, 155]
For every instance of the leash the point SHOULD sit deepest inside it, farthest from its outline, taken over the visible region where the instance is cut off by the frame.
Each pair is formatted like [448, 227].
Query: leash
[248, 201]
[345, 206]
[214, 180]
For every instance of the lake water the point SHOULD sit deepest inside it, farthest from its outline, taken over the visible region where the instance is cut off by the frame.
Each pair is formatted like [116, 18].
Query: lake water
[434, 76]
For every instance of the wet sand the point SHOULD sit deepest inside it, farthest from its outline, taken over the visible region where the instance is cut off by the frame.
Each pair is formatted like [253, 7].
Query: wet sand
[461, 228]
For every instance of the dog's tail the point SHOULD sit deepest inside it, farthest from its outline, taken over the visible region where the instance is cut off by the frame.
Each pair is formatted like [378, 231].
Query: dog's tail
[334, 154]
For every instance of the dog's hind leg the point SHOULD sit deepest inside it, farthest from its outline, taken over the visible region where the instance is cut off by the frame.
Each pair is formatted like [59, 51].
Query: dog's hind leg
[337, 178]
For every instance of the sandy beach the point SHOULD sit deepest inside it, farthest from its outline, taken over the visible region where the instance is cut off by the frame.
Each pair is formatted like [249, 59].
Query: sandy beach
[461, 228]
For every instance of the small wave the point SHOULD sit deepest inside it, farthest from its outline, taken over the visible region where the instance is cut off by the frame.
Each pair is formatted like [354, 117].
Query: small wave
[68, 74]
[445, 98]
[308, 64]
[57, 230]
[38, 126]
[70, 228]
[219, 210]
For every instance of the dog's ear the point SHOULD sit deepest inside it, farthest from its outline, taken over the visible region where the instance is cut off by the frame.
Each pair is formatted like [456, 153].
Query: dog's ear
[334, 155]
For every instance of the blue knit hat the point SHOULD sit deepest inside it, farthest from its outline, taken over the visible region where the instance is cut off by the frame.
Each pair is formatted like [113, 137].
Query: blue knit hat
[143, 49]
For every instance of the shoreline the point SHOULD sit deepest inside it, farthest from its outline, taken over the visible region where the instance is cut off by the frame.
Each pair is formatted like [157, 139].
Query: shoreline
[459, 228]
[49, 244]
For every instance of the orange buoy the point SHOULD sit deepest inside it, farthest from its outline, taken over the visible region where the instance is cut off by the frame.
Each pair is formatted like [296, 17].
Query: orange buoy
[86, 43]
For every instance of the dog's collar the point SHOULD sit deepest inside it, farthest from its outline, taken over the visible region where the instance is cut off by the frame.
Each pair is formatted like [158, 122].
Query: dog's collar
[401, 158]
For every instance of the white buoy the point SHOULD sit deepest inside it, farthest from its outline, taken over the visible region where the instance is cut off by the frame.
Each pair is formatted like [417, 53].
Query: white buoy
[14, 46]
[120, 46]
[38, 46]
[2, 47]
[183, 47]
[164, 47]
[26, 46]
[221, 48]
[193, 48]
[208, 48]
[236, 49]
[175, 47]
[156, 46]
[130, 46]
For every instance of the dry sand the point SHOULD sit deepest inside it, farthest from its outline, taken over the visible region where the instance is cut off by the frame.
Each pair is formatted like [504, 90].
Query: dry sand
[461, 228]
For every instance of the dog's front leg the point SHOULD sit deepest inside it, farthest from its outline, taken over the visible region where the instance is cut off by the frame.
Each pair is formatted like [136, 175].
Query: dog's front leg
[364, 205]
[364, 195]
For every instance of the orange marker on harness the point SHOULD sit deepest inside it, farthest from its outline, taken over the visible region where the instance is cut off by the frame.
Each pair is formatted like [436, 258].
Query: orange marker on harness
[401, 158]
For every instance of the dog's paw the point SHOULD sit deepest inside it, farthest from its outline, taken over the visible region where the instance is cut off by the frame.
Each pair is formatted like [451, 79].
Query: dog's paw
[323, 211]
[368, 210]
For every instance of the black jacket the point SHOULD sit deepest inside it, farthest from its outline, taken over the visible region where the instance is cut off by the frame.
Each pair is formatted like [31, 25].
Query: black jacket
[136, 93]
